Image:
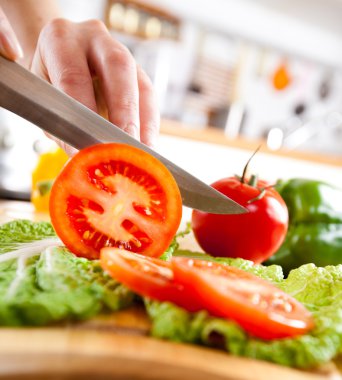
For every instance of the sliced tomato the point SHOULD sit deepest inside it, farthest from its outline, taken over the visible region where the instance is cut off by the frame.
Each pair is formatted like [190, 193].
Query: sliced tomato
[115, 195]
[260, 308]
[228, 292]
[146, 276]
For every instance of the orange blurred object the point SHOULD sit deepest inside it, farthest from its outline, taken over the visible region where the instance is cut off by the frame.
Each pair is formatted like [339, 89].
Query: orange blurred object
[281, 78]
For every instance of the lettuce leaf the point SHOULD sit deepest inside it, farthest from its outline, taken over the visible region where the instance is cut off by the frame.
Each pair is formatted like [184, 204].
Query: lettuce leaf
[52, 284]
[18, 232]
[319, 289]
[174, 245]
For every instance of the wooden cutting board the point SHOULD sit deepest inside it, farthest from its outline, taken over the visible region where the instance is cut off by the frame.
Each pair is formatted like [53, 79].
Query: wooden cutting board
[117, 346]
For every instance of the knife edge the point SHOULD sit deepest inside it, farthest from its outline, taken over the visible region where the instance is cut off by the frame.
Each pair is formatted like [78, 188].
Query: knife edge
[60, 115]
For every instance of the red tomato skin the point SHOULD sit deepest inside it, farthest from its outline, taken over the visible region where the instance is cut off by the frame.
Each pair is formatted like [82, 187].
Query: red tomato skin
[149, 279]
[234, 301]
[255, 235]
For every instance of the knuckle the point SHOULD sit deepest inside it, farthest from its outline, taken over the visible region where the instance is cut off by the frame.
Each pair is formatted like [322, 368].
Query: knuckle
[95, 24]
[123, 108]
[57, 28]
[72, 76]
[126, 104]
[152, 128]
[120, 57]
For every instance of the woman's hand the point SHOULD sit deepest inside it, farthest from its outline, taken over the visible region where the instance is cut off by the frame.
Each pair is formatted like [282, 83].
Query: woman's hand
[9, 45]
[72, 55]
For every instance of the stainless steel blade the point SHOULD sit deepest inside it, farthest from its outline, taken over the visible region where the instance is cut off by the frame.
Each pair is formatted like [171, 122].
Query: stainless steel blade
[63, 117]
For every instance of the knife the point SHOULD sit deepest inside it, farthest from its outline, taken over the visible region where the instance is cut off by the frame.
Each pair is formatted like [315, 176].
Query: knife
[65, 118]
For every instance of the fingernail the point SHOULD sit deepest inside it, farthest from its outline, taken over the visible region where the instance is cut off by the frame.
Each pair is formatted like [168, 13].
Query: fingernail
[153, 142]
[133, 130]
[10, 47]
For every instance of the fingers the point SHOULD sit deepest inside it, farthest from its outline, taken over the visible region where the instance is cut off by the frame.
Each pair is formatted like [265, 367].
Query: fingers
[9, 45]
[128, 92]
[75, 57]
[62, 60]
[68, 149]
[117, 73]
[149, 114]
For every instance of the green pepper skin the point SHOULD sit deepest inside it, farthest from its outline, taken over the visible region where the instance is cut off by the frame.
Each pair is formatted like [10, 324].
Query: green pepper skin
[310, 201]
[315, 228]
[317, 243]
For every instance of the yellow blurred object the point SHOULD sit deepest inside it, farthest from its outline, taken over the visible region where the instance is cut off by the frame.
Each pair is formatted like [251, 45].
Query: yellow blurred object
[281, 77]
[48, 167]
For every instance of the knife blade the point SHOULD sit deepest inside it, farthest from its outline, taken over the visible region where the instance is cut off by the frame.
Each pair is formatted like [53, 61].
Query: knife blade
[37, 101]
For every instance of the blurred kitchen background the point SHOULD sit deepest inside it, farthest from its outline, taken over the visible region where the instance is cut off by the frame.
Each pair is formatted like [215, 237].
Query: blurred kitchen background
[255, 70]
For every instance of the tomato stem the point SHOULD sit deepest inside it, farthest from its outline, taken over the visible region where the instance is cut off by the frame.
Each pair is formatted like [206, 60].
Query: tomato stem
[253, 180]
[242, 179]
[270, 186]
[259, 196]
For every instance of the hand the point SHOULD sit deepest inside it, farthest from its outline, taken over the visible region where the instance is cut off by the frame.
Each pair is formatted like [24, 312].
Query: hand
[9, 45]
[71, 55]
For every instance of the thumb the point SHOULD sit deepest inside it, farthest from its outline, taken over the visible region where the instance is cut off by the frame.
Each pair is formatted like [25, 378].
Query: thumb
[9, 45]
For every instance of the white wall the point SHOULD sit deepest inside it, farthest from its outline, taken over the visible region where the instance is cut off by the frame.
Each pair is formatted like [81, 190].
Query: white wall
[80, 10]
[306, 28]
[210, 162]
[270, 24]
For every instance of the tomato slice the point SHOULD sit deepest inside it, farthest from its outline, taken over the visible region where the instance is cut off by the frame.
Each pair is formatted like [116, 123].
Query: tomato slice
[228, 292]
[115, 195]
[147, 276]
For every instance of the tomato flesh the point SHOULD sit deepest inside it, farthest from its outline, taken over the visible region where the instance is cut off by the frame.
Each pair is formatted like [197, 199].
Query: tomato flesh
[147, 276]
[228, 292]
[114, 195]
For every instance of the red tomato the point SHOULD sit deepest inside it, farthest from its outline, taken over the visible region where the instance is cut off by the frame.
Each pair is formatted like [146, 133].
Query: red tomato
[259, 307]
[147, 276]
[114, 195]
[255, 235]
[227, 292]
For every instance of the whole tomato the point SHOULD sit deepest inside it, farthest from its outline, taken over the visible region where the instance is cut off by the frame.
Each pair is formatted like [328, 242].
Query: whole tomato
[255, 235]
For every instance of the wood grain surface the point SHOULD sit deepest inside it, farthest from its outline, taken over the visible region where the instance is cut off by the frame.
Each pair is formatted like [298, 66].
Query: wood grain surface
[117, 346]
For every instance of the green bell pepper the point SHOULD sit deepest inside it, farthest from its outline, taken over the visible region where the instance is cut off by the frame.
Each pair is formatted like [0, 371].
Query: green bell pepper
[315, 224]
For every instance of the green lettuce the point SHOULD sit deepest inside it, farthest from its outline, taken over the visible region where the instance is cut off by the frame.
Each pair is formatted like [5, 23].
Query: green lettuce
[50, 284]
[319, 289]
[174, 245]
[18, 232]
[41, 282]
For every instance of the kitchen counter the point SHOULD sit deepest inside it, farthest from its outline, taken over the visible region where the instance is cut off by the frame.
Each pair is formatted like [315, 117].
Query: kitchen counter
[209, 156]
[216, 136]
